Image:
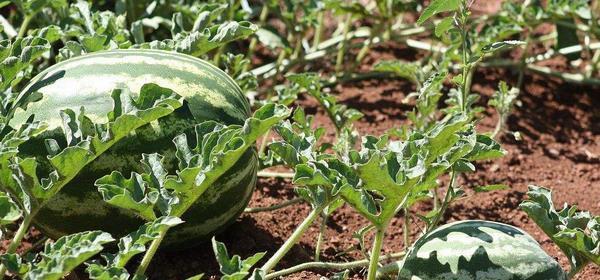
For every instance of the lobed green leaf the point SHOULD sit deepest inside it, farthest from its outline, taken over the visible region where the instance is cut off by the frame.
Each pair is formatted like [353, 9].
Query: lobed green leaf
[68, 252]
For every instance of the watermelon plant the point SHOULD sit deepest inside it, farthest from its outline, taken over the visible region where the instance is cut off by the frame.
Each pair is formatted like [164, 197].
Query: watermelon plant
[87, 82]
[120, 135]
[575, 232]
[20, 179]
[218, 148]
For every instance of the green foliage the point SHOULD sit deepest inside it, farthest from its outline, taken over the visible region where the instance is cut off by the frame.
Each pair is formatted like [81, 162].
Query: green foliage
[577, 233]
[340, 115]
[16, 58]
[395, 171]
[235, 66]
[86, 141]
[233, 268]
[503, 101]
[64, 255]
[218, 147]
[129, 246]
[299, 143]
[504, 98]
[438, 6]
[84, 29]
[389, 173]
[9, 210]
[406, 70]
[197, 43]
[270, 39]
[428, 89]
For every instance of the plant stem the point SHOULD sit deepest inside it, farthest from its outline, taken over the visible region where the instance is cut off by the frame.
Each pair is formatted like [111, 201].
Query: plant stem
[318, 31]
[297, 47]
[465, 78]
[466, 65]
[342, 47]
[141, 270]
[322, 229]
[26, 20]
[292, 240]
[230, 13]
[502, 115]
[578, 26]
[445, 202]
[329, 266]
[499, 125]
[365, 48]
[16, 241]
[326, 47]
[263, 144]
[375, 251]
[217, 57]
[595, 63]
[262, 18]
[279, 61]
[576, 78]
[273, 207]
[436, 202]
[358, 77]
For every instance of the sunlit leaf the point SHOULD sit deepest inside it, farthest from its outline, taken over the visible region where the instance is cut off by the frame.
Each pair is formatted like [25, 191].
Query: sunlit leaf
[436, 7]
[66, 253]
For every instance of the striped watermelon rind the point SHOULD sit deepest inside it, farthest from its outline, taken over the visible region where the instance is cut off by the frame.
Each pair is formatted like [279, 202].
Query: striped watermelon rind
[88, 81]
[476, 249]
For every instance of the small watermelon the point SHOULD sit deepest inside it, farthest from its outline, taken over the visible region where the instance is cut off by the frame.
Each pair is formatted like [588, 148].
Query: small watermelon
[87, 82]
[477, 249]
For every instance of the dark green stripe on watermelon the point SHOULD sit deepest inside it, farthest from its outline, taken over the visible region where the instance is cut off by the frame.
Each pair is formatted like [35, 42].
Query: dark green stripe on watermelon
[88, 81]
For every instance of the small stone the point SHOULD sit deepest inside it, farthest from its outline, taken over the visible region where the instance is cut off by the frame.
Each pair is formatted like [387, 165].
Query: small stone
[553, 153]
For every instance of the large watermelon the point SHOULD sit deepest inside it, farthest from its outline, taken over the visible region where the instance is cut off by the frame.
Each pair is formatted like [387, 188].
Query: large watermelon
[479, 250]
[87, 81]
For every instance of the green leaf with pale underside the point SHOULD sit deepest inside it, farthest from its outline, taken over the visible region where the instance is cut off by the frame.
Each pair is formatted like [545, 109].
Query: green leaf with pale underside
[68, 252]
[436, 7]
[68, 162]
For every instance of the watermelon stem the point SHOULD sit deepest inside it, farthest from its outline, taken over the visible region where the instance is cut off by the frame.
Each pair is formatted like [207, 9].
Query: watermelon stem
[322, 229]
[26, 20]
[337, 266]
[445, 203]
[375, 252]
[342, 46]
[141, 270]
[264, 13]
[292, 240]
[318, 31]
[16, 241]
